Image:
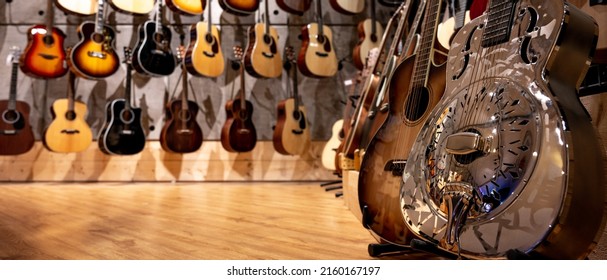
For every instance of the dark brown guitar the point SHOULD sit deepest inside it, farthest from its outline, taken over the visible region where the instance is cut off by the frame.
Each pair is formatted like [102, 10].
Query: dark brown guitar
[181, 132]
[416, 86]
[238, 133]
[16, 135]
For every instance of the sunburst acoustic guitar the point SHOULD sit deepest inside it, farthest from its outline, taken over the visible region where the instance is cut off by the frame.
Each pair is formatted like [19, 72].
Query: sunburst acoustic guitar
[187, 7]
[44, 57]
[16, 135]
[94, 56]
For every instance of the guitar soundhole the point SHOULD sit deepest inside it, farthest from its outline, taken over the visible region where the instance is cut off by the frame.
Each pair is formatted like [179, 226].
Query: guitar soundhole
[242, 115]
[209, 38]
[48, 40]
[417, 104]
[184, 115]
[321, 39]
[127, 116]
[267, 39]
[97, 38]
[10, 116]
[70, 115]
[373, 38]
[296, 114]
[159, 39]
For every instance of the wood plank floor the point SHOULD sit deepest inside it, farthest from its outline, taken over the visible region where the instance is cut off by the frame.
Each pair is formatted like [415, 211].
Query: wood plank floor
[177, 221]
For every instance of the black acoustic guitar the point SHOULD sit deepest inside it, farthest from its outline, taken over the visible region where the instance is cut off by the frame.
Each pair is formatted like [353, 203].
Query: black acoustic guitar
[152, 54]
[122, 132]
[181, 132]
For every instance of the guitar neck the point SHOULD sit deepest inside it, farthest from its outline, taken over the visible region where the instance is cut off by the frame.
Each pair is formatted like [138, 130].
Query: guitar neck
[49, 17]
[499, 22]
[158, 15]
[241, 94]
[209, 18]
[100, 16]
[460, 14]
[12, 100]
[184, 84]
[266, 17]
[295, 82]
[320, 21]
[422, 61]
[373, 20]
[71, 95]
[127, 87]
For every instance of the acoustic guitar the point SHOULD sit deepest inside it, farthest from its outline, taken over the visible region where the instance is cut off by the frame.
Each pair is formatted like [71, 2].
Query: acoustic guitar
[186, 7]
[16, 135]
[261, 58]
[78, 7]
[44, 56]
[238, 133]
[416, 86]
[292, 132]
[152, 54]
[181, 132]
[94, 56]
[297, 7]
[204, 56]
[329, 151]
[135, 7]
[509, 164]
[348, 7]
[239, 7]
[317, 57]
[122, 132]
[370, 33]
[68, 132]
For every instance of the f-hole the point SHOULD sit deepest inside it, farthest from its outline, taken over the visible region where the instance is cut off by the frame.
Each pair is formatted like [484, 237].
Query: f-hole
[529, 18]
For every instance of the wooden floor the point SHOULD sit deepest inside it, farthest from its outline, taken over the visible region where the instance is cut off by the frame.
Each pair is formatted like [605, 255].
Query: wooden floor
[177, 221]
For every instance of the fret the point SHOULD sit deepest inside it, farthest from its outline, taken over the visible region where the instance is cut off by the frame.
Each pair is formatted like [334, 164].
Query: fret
[12, 103]
[498, 23]
[266, 17]
[100, 15]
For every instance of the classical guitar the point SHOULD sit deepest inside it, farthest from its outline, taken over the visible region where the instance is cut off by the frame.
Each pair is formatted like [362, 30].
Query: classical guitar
[44, 56]
[292, 132]
[239, 7]
[68, 132]
[136, 7]
[204, 56]
[297, 7]
[78, 7]
[348, 7]
[262, 58]
[16, 135]
[329, 152]
[416, 86]
[122, 132]
[509, 163]
[317, 55]
[370, 33]
[94, 56]
[181, 132]
[152, 54]
[238, 133]
[186, 7]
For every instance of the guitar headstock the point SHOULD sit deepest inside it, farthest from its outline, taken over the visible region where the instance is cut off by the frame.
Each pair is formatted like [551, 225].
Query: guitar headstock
[372, 58]
[238, 53]
[13, 56]
[290, 53]
[180, 52]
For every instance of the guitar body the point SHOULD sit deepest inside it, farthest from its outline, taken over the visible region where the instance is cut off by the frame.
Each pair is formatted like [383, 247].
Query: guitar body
[44, 57]
[181, 132]
[529, 175]
[16, 135]
[348, 7]
[137, 7]
[297, 7]
[329, 152]
[317, 56]
[366, 41]
[238, 133]
[381, 168]
[93, 57]
[261, 58]
[152, 54]
[78, 7]
[204, 56]
[239, 7]
[291, 134]
[66, 133]
[122, 133]
[187, 7]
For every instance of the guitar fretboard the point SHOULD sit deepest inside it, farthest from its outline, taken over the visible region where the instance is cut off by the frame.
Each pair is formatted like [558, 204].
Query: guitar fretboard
[499, 23]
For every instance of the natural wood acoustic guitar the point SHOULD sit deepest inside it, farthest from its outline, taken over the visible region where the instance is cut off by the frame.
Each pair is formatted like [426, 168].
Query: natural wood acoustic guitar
[135, 7]
[317, 57]
[78, 7]
[204, 56]
[370, 33]
[262, 58]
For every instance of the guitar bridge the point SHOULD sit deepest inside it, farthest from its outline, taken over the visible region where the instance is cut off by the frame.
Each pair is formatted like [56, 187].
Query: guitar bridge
[209, 54]
[96, 54]
[396, 166]
[47, 56]
[9, 132]
[184, 131]
[70, 131]
[127, 132]
[159, 52]
[322, 54]
[297, 132]
[268, 55]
